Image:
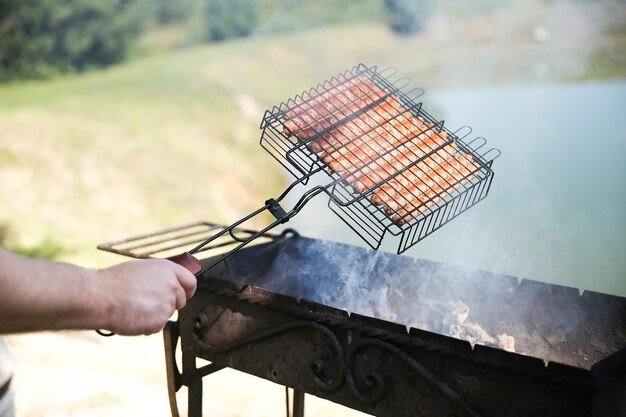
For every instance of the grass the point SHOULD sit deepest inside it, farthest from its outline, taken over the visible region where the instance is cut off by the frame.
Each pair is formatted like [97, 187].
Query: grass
[172, 137]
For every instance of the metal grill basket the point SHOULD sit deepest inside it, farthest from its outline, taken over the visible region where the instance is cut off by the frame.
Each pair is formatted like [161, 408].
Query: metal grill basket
[387, 166]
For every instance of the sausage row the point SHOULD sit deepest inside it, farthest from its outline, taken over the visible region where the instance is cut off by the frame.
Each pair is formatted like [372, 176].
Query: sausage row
[409, 166]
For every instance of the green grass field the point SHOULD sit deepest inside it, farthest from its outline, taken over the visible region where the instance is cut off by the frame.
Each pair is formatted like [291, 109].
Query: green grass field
[173, 137]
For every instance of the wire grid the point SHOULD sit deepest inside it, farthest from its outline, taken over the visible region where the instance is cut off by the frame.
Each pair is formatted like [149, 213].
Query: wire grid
[176, 240]
[392, 166]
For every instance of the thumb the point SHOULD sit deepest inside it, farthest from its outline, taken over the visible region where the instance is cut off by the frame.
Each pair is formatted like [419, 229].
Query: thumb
[187, 280]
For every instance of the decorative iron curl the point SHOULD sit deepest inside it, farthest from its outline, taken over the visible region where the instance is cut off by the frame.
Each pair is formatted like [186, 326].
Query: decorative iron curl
[374, 381]
[320, 367]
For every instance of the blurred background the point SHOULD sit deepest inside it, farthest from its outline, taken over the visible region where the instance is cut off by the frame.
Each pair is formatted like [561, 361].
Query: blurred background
[119, 117]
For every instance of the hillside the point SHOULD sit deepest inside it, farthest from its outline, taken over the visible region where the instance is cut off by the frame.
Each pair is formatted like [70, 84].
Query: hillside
[173, 138]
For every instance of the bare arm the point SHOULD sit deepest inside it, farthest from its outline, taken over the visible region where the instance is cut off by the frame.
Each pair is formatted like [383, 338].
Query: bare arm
[135, 297]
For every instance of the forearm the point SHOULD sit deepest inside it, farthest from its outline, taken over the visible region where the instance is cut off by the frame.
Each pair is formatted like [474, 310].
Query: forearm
[134, 297]
[41, 295]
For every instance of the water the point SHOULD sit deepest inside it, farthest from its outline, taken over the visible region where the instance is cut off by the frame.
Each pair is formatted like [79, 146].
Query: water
[557, 209]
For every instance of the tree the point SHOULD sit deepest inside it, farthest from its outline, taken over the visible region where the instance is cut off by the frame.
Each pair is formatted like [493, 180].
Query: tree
[39, 38]
[230, 19]
[407, 17]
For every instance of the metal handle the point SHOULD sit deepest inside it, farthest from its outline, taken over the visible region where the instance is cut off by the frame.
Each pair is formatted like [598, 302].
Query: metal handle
[271, 205]
[188, 261]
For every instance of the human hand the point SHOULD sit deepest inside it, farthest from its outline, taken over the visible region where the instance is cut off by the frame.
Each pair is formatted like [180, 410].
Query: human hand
[138, 297]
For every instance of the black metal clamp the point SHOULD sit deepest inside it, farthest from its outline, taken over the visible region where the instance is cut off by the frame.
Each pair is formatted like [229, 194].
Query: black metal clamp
[277, 211]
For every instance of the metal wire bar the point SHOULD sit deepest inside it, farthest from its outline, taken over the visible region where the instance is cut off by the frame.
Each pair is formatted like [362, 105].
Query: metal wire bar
[243, 241]
[129, 247]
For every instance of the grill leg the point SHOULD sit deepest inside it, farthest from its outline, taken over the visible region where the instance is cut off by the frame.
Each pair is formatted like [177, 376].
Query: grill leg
[298, 403]
[195, 397]
[175, 378]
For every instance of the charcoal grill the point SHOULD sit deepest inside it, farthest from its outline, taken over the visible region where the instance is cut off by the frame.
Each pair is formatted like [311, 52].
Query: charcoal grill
[360, 118]
[411, 338]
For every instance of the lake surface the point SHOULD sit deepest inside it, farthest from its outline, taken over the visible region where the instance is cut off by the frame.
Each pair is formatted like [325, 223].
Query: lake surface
[557, 207]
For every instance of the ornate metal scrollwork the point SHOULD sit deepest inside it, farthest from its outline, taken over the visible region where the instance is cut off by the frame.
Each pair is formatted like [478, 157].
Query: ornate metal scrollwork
[326, 368]
[368, 383]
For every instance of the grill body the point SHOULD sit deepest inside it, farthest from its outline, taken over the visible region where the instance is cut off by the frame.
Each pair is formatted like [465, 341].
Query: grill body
[388, 369]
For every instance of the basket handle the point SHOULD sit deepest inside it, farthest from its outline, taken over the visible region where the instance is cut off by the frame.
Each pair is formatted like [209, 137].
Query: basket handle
[188, 261]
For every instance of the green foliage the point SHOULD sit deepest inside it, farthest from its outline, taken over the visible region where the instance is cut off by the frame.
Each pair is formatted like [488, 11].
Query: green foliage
[293, 15]
[467, 8]
[8, 158]
[230, 19]
[47, 249]
[407, 17]
[167, 12]
[39, 38]
[4, 233]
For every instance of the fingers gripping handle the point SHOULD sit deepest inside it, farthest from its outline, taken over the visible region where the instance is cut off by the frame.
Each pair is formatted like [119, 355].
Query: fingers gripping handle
[188, 261]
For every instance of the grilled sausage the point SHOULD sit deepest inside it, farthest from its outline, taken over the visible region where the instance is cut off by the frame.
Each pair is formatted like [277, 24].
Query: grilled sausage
[416, 173]
[369, 136]
[402, 157]
[340, 99]
[416, 199]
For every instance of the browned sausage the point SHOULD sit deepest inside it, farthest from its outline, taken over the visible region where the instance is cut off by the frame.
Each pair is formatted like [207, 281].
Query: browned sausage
[341, 99]
[401, 157]
[385, 140]
[415, 200]
[413, 174]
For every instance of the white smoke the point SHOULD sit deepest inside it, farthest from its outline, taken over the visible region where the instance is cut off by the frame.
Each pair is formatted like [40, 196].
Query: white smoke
[381, 285]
